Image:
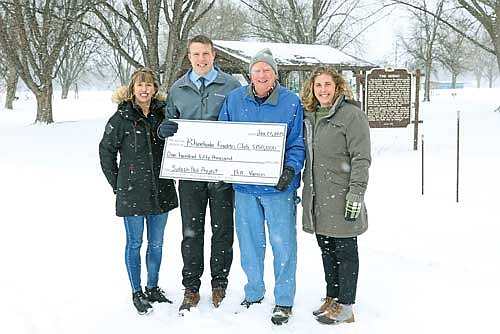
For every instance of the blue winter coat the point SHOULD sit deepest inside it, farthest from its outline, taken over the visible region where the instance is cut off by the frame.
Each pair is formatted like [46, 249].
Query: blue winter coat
[282, 106]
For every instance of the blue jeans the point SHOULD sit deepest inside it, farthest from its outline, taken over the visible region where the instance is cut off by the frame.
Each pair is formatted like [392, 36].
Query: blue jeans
[278, 211]
[134, 227]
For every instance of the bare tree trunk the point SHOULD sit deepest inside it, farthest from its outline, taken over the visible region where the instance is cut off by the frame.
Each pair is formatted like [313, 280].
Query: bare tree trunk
[427, 80]
[422, 44]
[176, 51]
[180, 16]
[44, 104]
[65, 91]
[498, 50]
[41, 32]
[12, 79]
[453, 80]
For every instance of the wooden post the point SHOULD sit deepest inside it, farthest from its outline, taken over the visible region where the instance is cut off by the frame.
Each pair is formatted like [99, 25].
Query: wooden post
[422, 164]
[358, 86]
[458, 149]
[417, 106]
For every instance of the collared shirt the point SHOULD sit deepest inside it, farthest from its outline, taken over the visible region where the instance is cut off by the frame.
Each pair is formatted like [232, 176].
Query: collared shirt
[262, 99]
[209, 77]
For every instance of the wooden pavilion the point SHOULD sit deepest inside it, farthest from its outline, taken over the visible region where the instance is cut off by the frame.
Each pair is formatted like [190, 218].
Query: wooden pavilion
[234, 57]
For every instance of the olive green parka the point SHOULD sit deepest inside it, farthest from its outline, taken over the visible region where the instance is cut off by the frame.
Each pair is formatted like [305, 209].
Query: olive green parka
[337, 162]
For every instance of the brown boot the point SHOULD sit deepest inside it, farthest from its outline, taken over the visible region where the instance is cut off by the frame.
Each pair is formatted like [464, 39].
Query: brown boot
[337, 313]
[191, 299]
[322, 309]
[218, 295]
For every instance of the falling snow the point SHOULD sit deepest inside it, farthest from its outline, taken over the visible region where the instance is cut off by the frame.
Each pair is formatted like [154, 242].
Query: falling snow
[424, 260]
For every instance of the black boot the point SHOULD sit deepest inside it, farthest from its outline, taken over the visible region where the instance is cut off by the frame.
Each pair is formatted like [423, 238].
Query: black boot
[281, 314]
[156, 295]
[141, 303]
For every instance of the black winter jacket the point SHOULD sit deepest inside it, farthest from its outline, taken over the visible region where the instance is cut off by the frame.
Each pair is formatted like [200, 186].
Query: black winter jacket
[136, 182]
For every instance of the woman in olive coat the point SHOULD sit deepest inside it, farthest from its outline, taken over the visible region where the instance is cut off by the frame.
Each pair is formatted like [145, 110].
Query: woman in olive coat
[338, 157]
[141, 196]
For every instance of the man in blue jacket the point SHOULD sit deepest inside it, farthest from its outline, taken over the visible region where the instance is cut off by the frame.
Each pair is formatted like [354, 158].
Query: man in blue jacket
[264, 100]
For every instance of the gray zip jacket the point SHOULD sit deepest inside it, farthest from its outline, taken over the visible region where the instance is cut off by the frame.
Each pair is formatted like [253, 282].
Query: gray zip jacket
[185, 102]
[337, 162]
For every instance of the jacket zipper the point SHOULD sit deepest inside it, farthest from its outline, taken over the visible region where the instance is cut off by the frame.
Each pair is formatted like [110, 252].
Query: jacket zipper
[154, 179]
[135, 135]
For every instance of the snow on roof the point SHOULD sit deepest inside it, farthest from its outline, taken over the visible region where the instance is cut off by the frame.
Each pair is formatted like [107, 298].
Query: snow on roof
[290, 54]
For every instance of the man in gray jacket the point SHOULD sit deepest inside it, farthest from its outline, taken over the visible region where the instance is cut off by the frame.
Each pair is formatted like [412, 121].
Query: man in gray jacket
[198, 95]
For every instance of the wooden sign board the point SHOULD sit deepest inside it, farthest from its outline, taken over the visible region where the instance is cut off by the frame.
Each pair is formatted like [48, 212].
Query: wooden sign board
[388, 98]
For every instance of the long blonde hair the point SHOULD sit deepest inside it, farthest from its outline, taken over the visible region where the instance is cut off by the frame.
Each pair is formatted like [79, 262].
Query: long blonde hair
[342, 87]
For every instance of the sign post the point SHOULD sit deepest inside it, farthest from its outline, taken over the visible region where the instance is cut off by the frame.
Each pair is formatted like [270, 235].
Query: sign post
[458, 151]
[417, 107]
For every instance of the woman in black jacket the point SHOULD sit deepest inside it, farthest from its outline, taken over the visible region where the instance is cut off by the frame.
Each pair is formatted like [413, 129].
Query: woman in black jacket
[140, 194]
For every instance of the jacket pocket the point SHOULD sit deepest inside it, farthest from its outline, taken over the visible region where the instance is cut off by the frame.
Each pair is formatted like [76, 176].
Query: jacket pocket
[334, 199]
[339, 173]
[215, 101]
[131, 177]
[331, 193]
[332, 137]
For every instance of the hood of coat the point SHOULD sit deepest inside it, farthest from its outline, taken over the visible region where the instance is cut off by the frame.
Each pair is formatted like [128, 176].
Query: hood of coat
[120, 95]
[339, 102]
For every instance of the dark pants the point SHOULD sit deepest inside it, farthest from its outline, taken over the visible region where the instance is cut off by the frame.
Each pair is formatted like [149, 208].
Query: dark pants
[194, 196]
[341, 265]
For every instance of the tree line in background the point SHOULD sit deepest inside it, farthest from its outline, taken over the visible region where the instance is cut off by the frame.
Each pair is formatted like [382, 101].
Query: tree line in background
[71, 41]
[459, 36]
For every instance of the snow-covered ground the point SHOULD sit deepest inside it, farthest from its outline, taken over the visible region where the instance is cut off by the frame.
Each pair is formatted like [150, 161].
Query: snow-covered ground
[427, 263]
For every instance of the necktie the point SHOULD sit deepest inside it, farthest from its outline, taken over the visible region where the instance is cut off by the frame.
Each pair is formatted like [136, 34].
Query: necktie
[202, 86]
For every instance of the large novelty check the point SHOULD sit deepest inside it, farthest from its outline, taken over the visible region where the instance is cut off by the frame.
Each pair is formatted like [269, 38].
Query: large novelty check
[225, 151]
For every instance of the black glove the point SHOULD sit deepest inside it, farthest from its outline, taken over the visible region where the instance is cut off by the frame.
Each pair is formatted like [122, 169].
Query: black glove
[352, 210]
[167, 128]
[286, 178]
